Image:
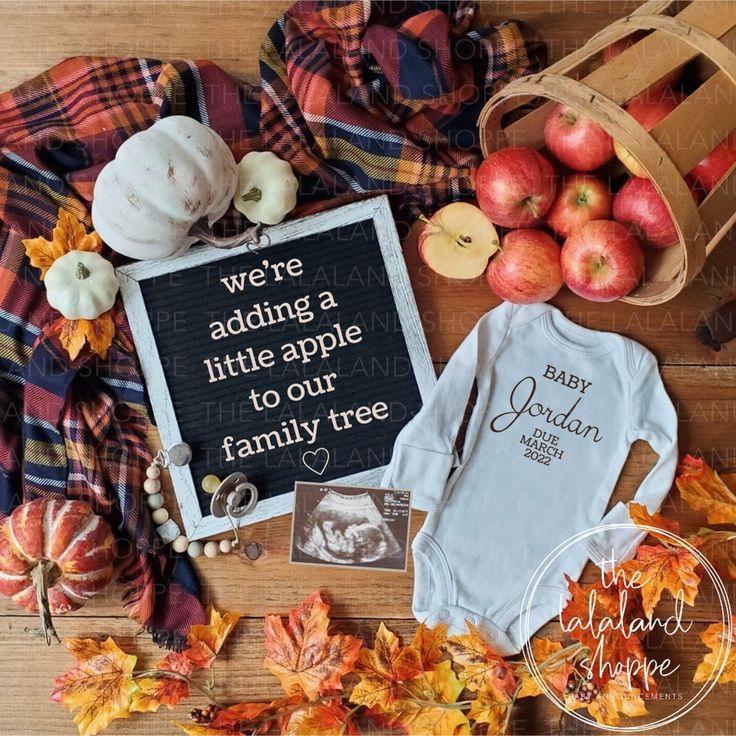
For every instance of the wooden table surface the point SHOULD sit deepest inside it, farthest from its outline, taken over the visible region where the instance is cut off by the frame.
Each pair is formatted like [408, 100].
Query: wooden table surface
[701, 383]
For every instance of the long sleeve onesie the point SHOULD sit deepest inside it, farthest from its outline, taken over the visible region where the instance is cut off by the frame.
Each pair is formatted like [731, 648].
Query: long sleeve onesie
[558, 407]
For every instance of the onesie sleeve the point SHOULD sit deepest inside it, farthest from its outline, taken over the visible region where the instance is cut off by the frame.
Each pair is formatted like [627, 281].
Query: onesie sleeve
[424, 451]
[653, 419]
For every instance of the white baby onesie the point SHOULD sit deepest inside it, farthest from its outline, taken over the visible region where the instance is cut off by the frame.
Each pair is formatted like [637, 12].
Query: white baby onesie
[558, 407]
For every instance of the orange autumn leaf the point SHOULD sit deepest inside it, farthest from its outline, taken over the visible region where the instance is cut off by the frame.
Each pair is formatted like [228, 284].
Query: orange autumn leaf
[206, 640]
[720, 549]
[704, 490]
[480, 662]
[554, 668]
[384, 670]
[322, 719]
[616, 697]
[256, 717]
[69, 234]
[194, 729]
[100, 688]
[590, 617]
[98, 333]
[641, 517]
[428, 643]
[302, 654]
[662, 568]
[716, 638]
[160, 689]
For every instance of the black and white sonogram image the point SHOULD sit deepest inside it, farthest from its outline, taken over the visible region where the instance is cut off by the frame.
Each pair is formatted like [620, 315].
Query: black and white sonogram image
[350, 526]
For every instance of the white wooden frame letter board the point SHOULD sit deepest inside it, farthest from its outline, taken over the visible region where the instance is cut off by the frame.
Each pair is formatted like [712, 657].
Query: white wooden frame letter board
[170, 393]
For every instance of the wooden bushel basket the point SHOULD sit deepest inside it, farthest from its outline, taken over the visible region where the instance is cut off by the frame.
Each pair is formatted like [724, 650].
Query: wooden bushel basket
[701, 32]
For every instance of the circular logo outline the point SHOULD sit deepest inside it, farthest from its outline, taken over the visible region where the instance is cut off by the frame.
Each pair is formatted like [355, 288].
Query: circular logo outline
[525, 632]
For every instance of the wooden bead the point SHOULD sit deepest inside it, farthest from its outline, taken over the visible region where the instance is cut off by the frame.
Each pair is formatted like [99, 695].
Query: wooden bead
[169, 532]
[155, 501]
[153, 471]
[194, 549]
[210, 483]
[152, 485]
[211, 549]
[160, 516]
[180, 544]
[225, 546]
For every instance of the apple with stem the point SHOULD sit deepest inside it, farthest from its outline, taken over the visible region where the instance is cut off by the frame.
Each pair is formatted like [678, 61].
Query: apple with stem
[527, 268]
[581, 198]
[575, 140]
[649, 113]
[602, 261]
[515, 186]
[457, 241]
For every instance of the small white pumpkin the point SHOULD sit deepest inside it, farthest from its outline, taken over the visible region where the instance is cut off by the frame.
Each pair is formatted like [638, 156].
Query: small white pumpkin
[81, 284]
[162, 182]
[267, 188]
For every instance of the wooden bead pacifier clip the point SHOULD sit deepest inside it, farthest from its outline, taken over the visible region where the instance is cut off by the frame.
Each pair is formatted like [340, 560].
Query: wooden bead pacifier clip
[232, 498]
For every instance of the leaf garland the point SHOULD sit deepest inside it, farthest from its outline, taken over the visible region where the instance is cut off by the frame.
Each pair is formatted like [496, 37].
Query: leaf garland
[417, 688]
[70, 234]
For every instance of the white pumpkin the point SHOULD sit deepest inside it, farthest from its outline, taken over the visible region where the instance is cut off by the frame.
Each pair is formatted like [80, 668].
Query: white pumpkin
[267, 188]
[81, 284]
[162, 181]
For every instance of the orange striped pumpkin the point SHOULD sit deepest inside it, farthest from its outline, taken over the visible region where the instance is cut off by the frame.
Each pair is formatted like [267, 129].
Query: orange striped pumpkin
[75, 545]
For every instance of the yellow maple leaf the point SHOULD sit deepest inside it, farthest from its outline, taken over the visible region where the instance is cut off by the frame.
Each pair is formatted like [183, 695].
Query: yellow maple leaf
[100, 688]
[704, 490]
[662, 568]
[480, 662]
[491, 708]
[304, 657]
[428, 643]
[384, 670]
[421, 711]
[98, 332]
[69, 234]
[555, 669]
[720, 549]
[206, 640]
[616, 697]
[715, 637]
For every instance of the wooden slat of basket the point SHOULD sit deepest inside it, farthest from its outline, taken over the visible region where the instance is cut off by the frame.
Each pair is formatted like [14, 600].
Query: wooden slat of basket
[707, 110]
[718, 211]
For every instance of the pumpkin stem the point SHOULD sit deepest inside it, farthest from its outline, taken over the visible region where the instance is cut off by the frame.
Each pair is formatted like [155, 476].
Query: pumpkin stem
[40, 578]
[254, 195]
[81, 272]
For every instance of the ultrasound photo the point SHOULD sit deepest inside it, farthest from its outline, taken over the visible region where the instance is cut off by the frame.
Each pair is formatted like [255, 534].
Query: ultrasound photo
[350, 526]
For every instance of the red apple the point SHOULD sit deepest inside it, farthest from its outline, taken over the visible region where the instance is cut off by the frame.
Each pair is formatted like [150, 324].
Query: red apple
[639, 204]
[576, 140]
[457, 241]
[650, 93]
[716, 164]
[649, 113]
[582, 198]
[515, 186]
[602, 261]
[527, 268]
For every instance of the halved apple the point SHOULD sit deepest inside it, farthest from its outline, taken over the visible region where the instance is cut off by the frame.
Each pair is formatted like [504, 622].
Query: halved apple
[457, 241]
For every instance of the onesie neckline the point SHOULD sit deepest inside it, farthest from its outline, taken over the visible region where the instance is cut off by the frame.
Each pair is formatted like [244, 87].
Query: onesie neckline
[574, 338]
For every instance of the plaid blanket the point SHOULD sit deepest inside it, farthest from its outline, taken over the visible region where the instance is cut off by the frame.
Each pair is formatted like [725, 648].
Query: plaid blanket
[361, 98]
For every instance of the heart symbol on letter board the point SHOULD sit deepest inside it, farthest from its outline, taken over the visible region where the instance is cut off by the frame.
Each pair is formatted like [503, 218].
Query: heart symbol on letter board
[316, 460]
